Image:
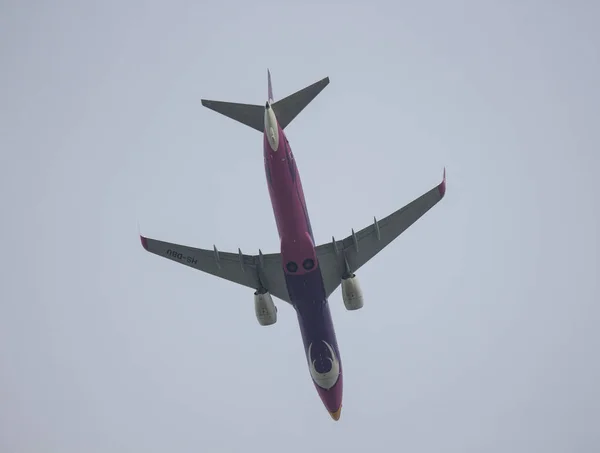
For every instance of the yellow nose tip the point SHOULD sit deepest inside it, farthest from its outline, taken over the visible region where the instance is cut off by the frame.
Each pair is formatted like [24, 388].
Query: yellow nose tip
[336, 415]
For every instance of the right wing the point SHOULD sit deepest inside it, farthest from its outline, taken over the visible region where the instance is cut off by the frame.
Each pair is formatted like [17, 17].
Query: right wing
[340, 258]
[256, 272]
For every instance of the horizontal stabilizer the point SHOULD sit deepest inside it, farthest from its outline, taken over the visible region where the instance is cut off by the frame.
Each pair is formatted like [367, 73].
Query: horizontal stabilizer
[285, 109]
[248, 114]
[288, 108]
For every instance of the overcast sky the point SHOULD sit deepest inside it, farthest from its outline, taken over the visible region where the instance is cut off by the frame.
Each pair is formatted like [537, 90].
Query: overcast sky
[480, 326]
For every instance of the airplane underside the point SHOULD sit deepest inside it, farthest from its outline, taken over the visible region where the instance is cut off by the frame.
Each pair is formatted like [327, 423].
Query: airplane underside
[318, 335]
[303, 273]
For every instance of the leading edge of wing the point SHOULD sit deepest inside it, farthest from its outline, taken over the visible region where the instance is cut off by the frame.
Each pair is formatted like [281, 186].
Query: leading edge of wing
[252, 271]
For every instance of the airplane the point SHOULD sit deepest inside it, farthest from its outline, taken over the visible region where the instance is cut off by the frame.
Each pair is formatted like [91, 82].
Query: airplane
[303, 274]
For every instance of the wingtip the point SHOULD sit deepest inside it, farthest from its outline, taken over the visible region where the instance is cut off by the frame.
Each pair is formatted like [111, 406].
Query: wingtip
[442, 185]
[144, 242]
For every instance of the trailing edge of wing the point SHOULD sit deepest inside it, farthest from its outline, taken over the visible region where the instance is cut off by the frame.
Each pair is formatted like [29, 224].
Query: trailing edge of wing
[256, 272]
[338, 258]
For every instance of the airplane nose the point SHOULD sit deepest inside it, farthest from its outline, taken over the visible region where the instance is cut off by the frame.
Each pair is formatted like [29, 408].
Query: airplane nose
[336, 415]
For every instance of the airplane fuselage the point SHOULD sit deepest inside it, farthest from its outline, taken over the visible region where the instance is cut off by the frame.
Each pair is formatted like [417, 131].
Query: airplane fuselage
[300, 265]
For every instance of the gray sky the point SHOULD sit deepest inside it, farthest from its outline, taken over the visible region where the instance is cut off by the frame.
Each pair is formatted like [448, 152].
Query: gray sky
[479, 331]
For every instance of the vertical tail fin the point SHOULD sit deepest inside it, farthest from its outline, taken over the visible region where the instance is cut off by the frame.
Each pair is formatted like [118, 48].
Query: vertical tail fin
[270, 86]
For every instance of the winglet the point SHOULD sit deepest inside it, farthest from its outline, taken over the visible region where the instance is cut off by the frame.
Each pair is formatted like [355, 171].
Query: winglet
[144, 242]
[442, 185]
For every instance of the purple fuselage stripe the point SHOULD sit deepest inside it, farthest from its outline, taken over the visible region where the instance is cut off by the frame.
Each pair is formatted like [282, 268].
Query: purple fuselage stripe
[305, 286]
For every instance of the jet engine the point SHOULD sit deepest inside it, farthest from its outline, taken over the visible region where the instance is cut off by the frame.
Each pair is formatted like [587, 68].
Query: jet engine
[266, 311]
[351, 293]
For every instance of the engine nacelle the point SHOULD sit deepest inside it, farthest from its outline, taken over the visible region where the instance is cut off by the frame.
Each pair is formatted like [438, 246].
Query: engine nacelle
[351, 293]
[265, 309]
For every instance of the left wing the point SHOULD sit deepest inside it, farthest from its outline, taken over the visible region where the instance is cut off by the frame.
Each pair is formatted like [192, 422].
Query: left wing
[256, 272]
[338, 259]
